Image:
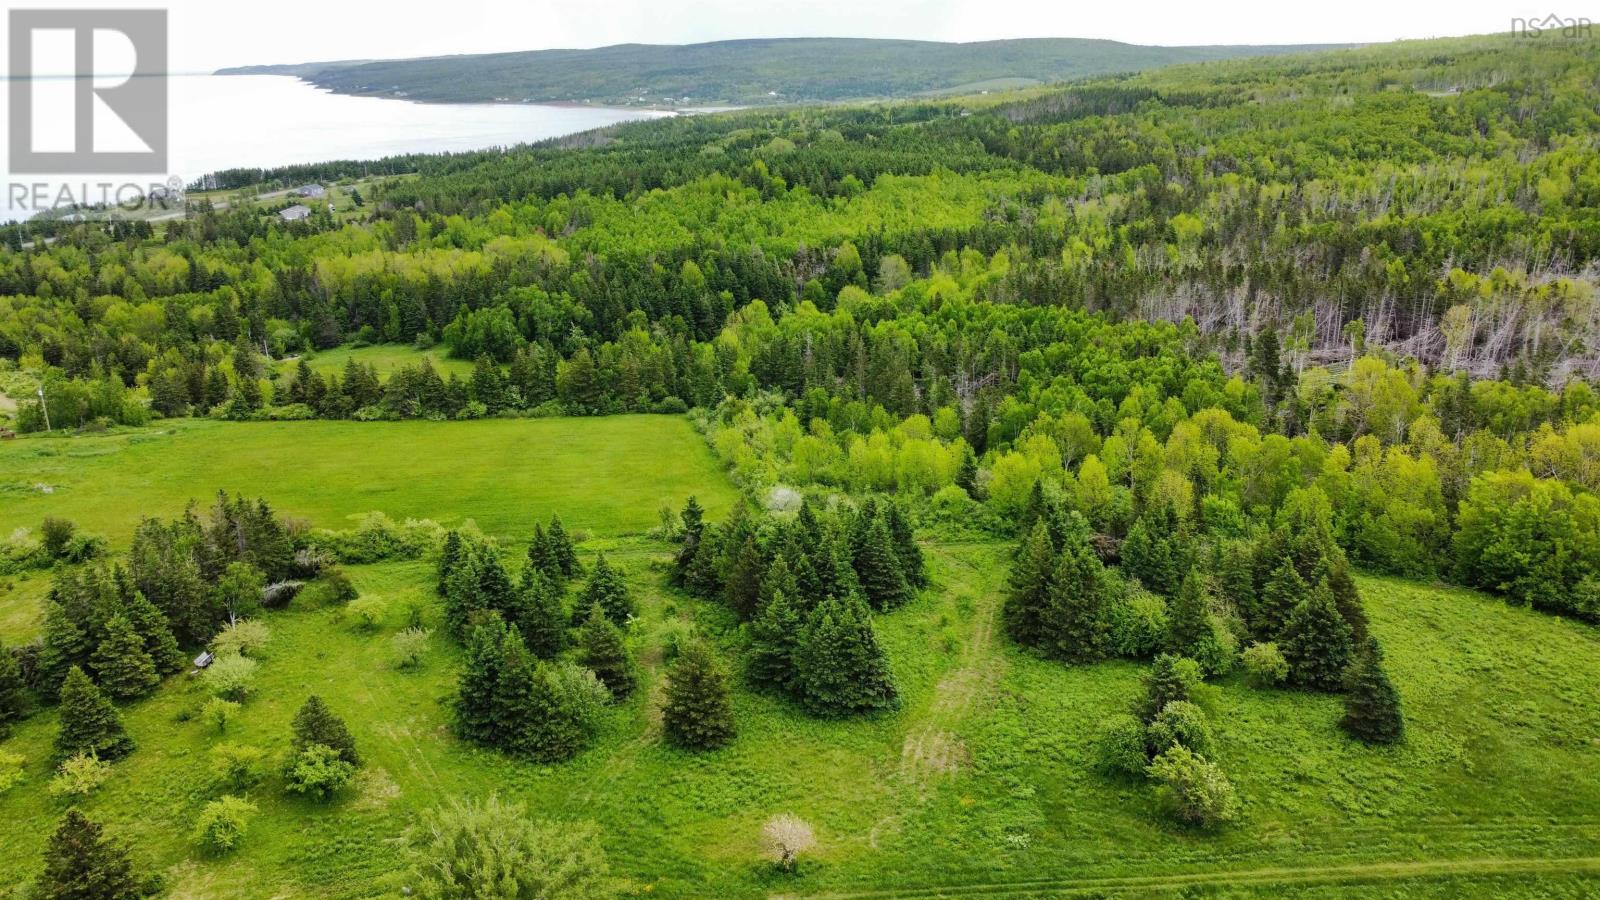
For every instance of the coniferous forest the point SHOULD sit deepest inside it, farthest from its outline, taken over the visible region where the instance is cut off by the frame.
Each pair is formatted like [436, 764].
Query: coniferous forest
[1177, 479]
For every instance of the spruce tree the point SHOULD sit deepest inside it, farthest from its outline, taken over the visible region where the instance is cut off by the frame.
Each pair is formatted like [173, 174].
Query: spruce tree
[1170, 680]
[513, 702]
[1029, 586]
[606, 588]
[1189, 618]
[1371, 703]
[121, 663]
[774, 635]
[89, 723]
[1283, 593]
[778, 579]
[1316, 642]
[156, 633]
[912, 565]
[830, 558]
[479, 682]
[315, 723]
[967, 475]
[561, 549]
[877, 568]
[463, 596]
[13, 691]
[698, 713]
[1073, 621]
[693, 518]
[839, 667]
[64, 645]
[540, 616]
[1346, 597]
[542, 556]
[602, 650]
[81, 863]
[449, 558]
[495, 589]
[743, 587]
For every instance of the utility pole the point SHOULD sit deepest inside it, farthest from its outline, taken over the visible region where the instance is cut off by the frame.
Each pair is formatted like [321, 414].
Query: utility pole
[44, 408]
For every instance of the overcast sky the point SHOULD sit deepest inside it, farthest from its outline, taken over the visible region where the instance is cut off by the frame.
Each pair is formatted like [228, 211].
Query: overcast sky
[207, 34]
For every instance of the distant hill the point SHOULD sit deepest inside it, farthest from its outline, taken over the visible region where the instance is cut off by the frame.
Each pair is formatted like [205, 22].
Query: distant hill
[749, 72]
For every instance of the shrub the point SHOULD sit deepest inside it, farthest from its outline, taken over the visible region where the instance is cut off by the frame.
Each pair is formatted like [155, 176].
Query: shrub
[493, 849]
[238, 766]
[1170, 678]
[366, 612]
[11, 772]
[317, 770]
[1180, 722]
[230, 677]
[785, 838]
[1264, 665]
[219, 712]
[335, 587]
[376, 537]
[1138, 621]
[223, 823]
[246, 637]
[79, 776]
[1194, 789]
[1120, 746]
[409, 646]
[56, 534]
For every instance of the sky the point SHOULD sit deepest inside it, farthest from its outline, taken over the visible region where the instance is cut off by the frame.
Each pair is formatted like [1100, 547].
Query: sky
[209, 34]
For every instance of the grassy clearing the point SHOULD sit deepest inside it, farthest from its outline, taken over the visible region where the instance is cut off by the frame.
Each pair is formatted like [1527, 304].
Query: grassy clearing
[606, 476]
[980, 785]
[386, 358]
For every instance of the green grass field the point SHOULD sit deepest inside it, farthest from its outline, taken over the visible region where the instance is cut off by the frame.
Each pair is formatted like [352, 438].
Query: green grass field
[384, 357]
[980, 785]
[607, 476]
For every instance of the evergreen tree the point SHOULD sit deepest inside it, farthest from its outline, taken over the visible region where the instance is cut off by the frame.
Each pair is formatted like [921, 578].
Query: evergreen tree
[554, 728]
[830, 559]
[463, 594]
[81, 863]
[156, 634]
[121, 663]
[743, 586]
[1371, 703]
[89, 723]
[1171, 679]
[774, 636]
[1189, 619]
[315, 723]
[1347, 598]
[1029, 586]
[561, 549]
[693, 518]
[449, 558]
[540, 616]
[1073, 621]
[1283, 593]
[64, 645]
[839, 667]
[607, 589]
[542, 556]
[778, 579]
[602, 650]
[1316, 642]
[513, 702]
[877, 568]
[13, 691]
[698, 714]
[495, 590]
[967, 475]
[479, 682]
[1155, 550]
[912, 565]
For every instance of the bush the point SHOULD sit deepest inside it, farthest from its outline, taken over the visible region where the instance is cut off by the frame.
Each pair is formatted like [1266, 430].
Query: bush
[219, 712]
[494, 849]
[1119, 746]
[407, 647]
[1180, 722]
[1138, 621]
[785, 838]
[1194, 789]
[1264, 665]
[238, 767]
[366, 612]
[79, 776]
[11, 772]
[223, 822]
[246, 637]
[318, 770]
[335, 587]
[230, 677]
[1218, 650]
[376, 538]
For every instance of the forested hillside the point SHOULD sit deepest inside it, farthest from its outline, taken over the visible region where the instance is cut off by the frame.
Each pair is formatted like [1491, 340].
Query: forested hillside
[1081, 438]
[748, 72]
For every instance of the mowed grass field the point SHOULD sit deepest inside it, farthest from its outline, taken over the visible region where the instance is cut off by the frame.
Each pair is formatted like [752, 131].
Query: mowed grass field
[980, 785]
[607, 476]
[384, 357]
